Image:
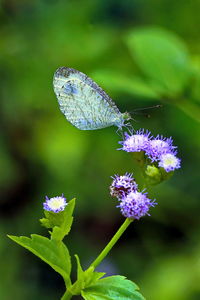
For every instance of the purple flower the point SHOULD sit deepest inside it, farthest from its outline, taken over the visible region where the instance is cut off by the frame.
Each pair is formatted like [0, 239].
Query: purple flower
[159, 146]
[169, 162]
[55, 204]
[135, 205]
[122, 185]
[136, 142]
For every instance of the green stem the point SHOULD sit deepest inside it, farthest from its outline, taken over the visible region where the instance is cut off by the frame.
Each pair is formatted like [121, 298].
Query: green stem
[113, 241]
[67, 295]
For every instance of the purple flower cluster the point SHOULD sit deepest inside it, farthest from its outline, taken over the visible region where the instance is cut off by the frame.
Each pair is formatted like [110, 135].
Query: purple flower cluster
[136, 142]
[136, 205]
[55, 204]
[122, 185]
[159, 149]
[132, 203]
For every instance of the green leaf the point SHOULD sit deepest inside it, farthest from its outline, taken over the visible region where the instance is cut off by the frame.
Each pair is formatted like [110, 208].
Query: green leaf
[84, 278]
[162, 57]
[80, 271]
[119, 82]
[91, 277]
[79, 284]
[52, 252]
[45, 222]
[112, 288]
[60, 222]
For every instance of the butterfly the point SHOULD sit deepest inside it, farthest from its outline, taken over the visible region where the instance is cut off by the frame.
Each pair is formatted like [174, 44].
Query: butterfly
[85, 104]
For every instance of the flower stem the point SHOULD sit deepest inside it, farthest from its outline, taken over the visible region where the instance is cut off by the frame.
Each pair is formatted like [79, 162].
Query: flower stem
[67, 296]
[113, 241]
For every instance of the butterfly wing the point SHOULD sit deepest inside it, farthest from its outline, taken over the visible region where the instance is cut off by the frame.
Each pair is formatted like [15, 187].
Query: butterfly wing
[84, 104]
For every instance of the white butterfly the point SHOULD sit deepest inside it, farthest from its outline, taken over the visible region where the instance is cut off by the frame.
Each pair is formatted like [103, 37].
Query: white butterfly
[84, 104]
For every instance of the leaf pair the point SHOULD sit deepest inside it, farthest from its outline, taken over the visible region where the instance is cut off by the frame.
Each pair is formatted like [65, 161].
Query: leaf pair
[90, 285]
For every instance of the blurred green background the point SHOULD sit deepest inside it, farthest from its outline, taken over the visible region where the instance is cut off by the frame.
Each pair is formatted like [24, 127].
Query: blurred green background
[143, 53]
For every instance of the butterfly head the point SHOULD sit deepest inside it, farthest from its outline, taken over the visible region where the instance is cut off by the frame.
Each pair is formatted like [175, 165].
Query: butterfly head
[126, 116]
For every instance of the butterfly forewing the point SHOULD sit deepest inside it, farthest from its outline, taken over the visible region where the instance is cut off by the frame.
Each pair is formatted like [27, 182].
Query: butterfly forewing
[83, 102]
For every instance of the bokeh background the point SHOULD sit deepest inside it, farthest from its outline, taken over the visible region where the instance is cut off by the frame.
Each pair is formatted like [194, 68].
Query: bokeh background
[143, 53]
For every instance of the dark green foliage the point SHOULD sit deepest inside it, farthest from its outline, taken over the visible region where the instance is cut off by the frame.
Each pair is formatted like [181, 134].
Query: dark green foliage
[162, 57]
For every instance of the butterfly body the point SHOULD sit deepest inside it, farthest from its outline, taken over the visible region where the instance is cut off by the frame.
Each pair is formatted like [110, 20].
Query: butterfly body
[84, 104]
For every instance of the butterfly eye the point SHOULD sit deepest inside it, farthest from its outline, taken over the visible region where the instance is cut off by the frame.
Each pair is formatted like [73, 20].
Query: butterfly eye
[69, 89]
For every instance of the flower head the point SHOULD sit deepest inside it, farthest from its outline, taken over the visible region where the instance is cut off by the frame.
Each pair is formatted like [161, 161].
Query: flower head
[122, 185]
[159, 146]
[169, 162]
[136, 142]
[55, 204]
[135, 205]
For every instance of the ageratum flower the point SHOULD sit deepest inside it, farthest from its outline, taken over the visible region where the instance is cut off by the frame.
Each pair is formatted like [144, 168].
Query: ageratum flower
[136, 205]
[159, 146]
[55, 204]
[136, 142]
[169, 162]
[122, 185]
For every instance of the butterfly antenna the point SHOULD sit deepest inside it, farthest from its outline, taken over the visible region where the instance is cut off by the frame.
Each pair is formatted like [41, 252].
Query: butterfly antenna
[150, 107]
[135, 111]
[145, 108]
